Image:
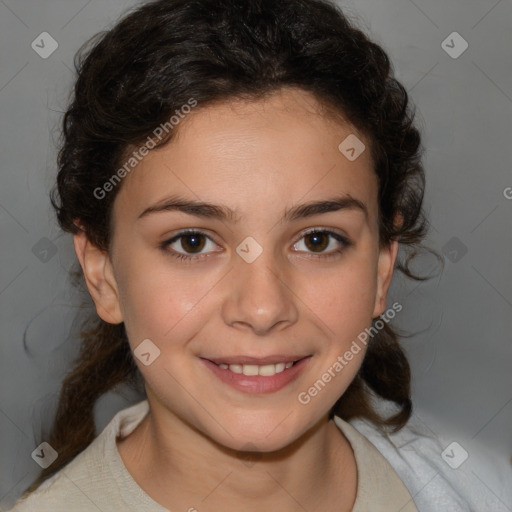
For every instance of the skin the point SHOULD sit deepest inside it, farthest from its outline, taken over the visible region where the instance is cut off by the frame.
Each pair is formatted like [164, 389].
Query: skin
[258, 158]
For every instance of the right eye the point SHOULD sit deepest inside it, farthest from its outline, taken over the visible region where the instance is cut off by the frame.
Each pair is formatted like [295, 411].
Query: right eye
[189, 245]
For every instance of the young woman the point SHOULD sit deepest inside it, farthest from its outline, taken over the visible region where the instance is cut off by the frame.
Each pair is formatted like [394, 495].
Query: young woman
[238, 176]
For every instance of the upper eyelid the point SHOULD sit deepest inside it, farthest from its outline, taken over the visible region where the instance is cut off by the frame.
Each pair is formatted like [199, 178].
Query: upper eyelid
[307, 231]
[189, 231]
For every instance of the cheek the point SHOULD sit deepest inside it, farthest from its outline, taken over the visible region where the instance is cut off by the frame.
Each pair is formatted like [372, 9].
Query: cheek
[149, 299]
[159, 303]
[344, 299]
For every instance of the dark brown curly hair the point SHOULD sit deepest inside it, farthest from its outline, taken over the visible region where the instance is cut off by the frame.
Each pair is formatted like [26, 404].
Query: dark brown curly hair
[132, 78]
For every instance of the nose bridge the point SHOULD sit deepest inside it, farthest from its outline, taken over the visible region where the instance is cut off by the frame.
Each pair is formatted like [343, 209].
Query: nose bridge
[259, 297]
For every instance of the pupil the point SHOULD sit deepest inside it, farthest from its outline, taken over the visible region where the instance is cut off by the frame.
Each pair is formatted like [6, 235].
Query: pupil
[193, 243]
[319, 241]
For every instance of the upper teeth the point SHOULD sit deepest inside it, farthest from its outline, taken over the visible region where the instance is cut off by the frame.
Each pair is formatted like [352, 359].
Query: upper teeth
[266, 370]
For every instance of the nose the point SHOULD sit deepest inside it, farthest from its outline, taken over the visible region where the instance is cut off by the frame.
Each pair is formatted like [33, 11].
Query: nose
[259, 299]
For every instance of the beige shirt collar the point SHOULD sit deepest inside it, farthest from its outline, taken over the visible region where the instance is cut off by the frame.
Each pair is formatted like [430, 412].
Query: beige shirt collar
[379, 488]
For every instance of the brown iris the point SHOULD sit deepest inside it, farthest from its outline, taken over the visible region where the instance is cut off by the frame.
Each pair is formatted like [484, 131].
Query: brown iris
[194, 242]
[317, 241]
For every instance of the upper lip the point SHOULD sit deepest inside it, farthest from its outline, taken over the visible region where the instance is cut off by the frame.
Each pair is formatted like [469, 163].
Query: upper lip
[275, 359]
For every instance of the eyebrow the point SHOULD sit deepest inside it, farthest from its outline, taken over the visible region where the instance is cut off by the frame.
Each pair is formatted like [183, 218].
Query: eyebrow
[223, 213]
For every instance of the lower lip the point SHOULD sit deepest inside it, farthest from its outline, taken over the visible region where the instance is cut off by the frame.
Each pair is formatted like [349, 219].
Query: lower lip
[258, 383]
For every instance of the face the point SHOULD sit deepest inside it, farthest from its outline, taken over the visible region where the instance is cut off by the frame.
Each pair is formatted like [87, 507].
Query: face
[246, 244]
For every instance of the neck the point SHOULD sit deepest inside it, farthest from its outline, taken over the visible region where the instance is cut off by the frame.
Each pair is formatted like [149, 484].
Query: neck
[182, 469]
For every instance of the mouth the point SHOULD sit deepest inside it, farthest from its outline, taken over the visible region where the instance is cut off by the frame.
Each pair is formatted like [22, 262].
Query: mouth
[258, 375]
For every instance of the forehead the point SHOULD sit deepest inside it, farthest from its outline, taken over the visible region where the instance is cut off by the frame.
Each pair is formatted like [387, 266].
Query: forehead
[267, 153]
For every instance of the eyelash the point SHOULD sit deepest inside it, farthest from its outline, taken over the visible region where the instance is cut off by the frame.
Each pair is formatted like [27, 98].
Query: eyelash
[190, 258]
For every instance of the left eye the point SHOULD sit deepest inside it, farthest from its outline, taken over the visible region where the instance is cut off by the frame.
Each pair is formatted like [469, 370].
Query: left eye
[319, 241]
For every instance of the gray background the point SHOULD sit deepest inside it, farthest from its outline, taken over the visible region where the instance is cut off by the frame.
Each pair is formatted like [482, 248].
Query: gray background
[461, 353]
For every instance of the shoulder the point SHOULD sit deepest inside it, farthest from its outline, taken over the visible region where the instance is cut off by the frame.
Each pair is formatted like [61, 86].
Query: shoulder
[379, 487]
[419, 457]
[74, 487]
[94, 480]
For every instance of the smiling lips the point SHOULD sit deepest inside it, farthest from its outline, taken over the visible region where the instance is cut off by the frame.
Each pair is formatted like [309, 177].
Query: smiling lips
[257, 375]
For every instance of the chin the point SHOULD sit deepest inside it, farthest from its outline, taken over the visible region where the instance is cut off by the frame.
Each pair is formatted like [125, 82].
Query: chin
[261, 433]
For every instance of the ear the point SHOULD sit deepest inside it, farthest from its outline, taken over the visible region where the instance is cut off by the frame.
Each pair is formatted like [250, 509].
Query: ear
[99, 277]
[385, 267]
